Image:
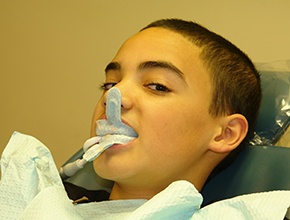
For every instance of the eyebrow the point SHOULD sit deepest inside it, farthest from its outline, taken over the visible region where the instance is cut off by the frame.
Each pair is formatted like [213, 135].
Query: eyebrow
[161, 64]
[113, 66]
[149, 65]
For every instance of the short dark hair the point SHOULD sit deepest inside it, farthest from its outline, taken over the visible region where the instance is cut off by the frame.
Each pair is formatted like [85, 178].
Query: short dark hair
[235, 80]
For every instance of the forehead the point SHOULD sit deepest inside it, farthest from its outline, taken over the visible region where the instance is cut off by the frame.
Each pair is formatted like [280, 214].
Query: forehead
[160, 44]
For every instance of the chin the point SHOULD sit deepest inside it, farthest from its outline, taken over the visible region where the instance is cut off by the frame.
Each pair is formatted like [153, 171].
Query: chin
[111, 169]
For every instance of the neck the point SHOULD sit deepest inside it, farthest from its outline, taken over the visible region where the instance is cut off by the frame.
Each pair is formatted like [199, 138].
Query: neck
[120, 192]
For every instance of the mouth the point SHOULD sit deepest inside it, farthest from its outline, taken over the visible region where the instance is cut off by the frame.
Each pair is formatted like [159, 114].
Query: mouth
[119, 146]
[115, 136]
[105, 127]
[97, 145]
[111, 128]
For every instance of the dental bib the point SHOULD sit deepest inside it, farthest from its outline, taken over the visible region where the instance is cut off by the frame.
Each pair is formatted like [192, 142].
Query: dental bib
[109, 131]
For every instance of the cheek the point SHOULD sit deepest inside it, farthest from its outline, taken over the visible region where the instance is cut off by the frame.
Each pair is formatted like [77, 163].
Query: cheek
[168, 130]
[177, 133]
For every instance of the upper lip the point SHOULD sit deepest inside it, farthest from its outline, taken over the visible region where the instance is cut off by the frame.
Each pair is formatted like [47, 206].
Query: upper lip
[104, 117]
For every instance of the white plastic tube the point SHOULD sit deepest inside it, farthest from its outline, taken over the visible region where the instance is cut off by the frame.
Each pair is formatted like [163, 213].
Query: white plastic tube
[70, 169]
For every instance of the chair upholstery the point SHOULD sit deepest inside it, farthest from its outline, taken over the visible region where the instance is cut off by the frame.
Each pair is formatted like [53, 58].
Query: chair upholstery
[273, 118]
[256, 169]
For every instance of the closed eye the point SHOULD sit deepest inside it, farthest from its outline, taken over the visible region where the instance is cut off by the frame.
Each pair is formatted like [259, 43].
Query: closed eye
[108, 85]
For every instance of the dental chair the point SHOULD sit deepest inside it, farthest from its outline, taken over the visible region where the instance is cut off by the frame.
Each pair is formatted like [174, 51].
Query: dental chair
[260, 167]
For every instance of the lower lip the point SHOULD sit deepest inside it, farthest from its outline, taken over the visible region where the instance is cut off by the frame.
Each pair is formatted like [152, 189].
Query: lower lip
[116, 147]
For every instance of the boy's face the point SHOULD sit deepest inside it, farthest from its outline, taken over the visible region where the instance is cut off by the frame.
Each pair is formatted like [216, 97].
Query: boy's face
[166, 97]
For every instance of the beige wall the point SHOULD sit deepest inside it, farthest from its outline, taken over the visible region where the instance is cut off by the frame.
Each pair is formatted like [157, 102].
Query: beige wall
[53, 52]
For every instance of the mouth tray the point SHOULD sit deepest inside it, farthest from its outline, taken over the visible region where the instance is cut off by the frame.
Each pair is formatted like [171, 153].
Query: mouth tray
[114, 125]
[112, 130]
[109, 131]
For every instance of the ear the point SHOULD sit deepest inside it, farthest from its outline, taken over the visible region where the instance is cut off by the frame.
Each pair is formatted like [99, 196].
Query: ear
[231, 132]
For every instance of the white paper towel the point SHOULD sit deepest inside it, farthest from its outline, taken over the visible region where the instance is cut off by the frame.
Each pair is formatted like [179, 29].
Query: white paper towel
[28, 171]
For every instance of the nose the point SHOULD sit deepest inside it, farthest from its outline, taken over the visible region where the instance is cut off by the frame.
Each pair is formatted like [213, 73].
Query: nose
[126, 100]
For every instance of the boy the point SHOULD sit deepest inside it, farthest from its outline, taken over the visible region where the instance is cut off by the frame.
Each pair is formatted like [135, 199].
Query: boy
[191, 96]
